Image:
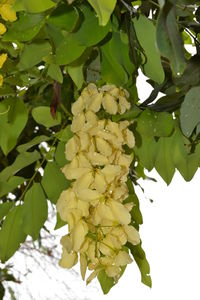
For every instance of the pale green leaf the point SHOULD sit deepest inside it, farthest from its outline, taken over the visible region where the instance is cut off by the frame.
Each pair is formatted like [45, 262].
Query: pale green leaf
[11, 233]
[33, 6]
[55, 73]
[146, 34]
[35, 211]
[190, 111]
[42, 115]
[76, 74]
[60, 154]
[164, 160]
[104, 9]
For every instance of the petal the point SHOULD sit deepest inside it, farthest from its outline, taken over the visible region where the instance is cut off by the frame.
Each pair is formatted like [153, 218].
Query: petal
[129, 138]
[83, 182]
[99, 182]
[95, 103]
[132, 234]
[122, 259]
[78, 234]
[109, 104]
[3, 58]
[68, 260]
[78, 106]
[103, 147]
[111, 172]
[84, 140]
[97, 159]
[120, 212]
[88, 195]
[112, 271]
[7, 13]
[72, 148]
[66, 242]
[78, 122]
[123, 105]
[92, 276]
[83, 265]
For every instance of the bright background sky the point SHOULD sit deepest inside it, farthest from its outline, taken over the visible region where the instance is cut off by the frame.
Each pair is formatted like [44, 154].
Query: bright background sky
[171, 239]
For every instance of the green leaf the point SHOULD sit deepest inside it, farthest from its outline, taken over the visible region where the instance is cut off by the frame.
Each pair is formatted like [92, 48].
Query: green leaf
[4, 209]
[152, 123]
[66, 134]
[169, 40]
[106, 282]
[52, 187]
[90, 21]
[10, 185]
[11, 233]
[60, 154]
[146, 34]
[103, 9]
[59, 223]
[42, 115]
[76, 74]
[33, 54]
[112, 70]
[129, 115]
[143, 265]
[35, 141]
[146, 152]
[23, 160]
[186, 163]
[33, 6]
[190, 111]
[164, 160]
[25, 28]
[13, 118]
[69, 49]
[35, 211]
[54, 72]
[64, 17]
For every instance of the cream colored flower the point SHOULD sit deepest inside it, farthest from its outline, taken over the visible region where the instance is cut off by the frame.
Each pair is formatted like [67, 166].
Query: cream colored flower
[83, 265]
[78, 122]
[78, 106]
[78, 234]
[68, 260]
[132, 234]
[122, 259]
[72, 147]
[109, 104]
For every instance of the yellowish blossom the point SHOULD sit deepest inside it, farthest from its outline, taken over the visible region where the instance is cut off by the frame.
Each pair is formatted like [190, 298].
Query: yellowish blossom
[2, 29]
[3, 58]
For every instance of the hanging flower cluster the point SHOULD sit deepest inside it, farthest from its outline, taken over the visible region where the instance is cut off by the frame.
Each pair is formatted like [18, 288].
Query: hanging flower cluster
[7, 13]
[99, 223]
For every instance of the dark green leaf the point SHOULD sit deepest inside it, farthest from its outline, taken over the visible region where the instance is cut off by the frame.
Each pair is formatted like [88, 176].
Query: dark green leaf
[42, 115]
[190, 111]
[2, 291]
[33, 6]
[143, 265]
[11, 233]
[52, 187]
[64, 17]
[4, 209]
[35, 141]
[66, 134]
[169, 39]
[35, 211]
[13, 118]
[155, 124]
[164, 160]
[33, 54]
[23, 159]
[146, 34]
[25, 28]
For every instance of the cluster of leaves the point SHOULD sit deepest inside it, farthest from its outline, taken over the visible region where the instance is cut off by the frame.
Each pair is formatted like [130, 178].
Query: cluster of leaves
[54, 49]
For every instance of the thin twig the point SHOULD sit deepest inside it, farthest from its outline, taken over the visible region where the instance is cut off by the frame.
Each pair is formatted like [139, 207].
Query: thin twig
[131, 9]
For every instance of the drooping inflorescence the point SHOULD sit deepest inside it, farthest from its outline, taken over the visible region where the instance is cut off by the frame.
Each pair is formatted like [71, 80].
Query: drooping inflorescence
[99, 222]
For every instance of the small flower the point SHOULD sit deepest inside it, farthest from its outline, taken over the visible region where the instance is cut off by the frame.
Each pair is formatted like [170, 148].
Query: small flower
[3, 58]
[2, 29]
